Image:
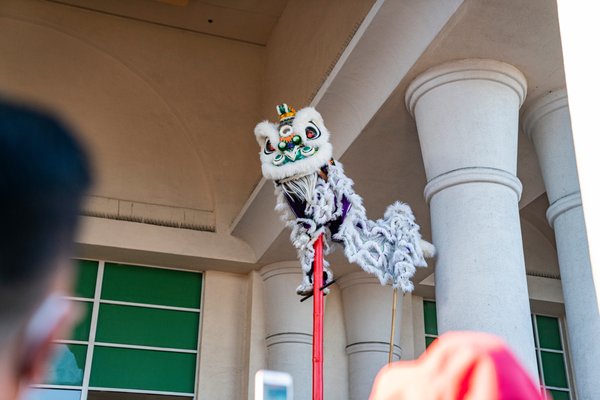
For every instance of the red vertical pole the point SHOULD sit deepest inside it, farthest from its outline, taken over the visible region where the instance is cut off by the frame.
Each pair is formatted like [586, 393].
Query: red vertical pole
[318, 321]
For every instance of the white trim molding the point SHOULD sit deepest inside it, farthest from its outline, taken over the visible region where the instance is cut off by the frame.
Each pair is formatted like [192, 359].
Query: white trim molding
[373, 347]
[562, 205]
[288, 337]
[471, 175]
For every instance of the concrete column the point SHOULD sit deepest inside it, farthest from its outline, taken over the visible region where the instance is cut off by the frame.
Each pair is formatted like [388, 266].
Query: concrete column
[467, 115]
[548, 124]
[288, 326]
[367, 314]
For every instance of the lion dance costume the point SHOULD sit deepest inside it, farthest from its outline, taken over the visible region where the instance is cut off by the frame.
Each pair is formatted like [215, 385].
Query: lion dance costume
[297, 155]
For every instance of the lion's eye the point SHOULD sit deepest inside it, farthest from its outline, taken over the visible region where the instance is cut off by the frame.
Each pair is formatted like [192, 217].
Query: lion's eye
[269, 147]
[312, 132]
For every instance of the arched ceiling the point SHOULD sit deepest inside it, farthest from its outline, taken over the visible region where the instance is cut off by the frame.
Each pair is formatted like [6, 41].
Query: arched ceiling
[134, 135]
[167, 114]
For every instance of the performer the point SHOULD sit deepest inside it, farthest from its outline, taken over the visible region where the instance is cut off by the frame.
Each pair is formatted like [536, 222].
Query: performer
[297, 155]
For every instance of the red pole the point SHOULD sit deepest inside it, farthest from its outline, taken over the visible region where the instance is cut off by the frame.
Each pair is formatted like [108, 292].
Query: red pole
[318, 321]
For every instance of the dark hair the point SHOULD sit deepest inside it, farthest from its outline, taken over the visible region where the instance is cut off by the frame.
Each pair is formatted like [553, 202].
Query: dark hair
[44, 174]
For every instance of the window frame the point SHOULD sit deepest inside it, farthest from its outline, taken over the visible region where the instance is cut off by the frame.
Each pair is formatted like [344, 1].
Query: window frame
[429, 335]
[91, 343]
[564, 351]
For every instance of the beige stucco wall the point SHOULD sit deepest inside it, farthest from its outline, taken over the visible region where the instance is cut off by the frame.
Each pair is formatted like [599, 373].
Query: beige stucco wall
[233, 343]
[167, 114]
[223, 337]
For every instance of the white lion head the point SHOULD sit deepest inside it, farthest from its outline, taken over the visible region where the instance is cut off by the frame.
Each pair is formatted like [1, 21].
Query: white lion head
[298, 145]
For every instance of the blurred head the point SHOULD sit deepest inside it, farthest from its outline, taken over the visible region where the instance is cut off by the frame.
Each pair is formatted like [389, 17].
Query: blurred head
[44, 174]
[458, 366]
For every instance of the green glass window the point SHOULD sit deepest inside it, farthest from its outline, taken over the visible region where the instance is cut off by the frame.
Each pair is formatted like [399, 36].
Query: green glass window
[138, 334]
[554, 369]
[559, 394]
[429, 340]
[81, 331]
[86, 274]
[430, 319]
[67, 365]
[548, 332]
[551, 356]
[147, 326]
[143, 369]
[151, 286]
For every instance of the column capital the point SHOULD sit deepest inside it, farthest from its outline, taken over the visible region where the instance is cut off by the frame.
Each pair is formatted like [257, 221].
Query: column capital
[284, 312]
[543, 106]
[561, 206]
[357, 278]
[547, 123]
[467, 115]
[280, 268]
[471, 175]
[464, 70]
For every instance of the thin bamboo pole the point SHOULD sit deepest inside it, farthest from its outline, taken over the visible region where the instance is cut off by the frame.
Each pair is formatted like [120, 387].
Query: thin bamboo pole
[393, 330]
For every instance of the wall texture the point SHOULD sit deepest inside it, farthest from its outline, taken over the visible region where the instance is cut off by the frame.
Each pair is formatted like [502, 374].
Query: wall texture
[166, 113]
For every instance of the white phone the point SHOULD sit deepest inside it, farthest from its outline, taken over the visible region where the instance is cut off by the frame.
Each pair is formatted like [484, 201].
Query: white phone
[273, 385]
